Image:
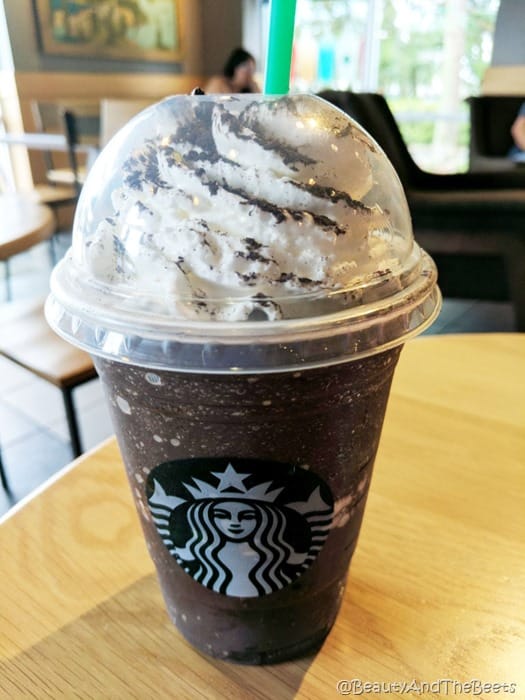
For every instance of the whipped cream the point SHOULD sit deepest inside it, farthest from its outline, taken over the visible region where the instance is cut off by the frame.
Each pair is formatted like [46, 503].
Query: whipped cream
[239, 208]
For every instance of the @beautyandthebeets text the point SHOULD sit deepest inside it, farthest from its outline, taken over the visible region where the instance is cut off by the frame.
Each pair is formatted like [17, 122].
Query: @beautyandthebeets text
[442, 687]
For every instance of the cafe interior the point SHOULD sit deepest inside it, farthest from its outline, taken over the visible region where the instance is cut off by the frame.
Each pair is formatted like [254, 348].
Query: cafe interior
[72, 75]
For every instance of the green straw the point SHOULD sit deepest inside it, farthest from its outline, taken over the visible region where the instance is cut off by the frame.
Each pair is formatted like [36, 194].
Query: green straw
[280, 39]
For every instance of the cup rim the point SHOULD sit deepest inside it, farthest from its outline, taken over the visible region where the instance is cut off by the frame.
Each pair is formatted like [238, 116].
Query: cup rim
[190, 345]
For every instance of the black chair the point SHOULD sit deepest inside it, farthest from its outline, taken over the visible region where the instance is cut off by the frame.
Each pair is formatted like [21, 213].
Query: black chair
[372, 111]
[59, 190]
[49, 118]
[473, 224]
[70, 127]
[491, 117]
[76, 123]
[71, 133]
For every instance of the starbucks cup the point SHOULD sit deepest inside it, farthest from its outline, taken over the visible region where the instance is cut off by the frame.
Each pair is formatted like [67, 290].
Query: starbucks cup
[244, 274]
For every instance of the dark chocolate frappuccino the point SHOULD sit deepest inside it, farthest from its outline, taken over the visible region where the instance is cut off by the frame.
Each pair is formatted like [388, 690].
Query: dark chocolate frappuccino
[243, 272]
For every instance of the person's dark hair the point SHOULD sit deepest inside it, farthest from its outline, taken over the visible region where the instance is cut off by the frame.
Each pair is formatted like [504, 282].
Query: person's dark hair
[236, 57]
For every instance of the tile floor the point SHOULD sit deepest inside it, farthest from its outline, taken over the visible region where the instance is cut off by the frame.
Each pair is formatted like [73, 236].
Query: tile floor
[33, 429]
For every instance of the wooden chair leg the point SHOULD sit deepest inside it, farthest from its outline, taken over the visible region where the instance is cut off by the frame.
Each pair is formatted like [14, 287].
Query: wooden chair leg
[72, 422]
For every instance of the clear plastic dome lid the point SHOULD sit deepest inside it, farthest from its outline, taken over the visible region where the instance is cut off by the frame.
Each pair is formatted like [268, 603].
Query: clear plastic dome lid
[217, 218]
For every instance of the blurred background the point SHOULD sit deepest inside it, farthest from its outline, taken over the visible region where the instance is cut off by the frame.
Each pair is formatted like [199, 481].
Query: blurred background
[72, 72]
[425, 57]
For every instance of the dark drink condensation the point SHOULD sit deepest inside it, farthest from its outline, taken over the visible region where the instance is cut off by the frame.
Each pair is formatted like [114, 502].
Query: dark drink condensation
[244, 274]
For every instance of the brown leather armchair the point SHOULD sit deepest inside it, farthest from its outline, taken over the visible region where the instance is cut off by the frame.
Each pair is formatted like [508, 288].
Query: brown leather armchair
[473, 224]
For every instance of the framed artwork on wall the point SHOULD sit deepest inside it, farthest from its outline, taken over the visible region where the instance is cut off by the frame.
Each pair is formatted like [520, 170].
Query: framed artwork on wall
[140, 30]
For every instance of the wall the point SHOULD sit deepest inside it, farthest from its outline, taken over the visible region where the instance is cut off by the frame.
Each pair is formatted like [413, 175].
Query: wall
[509, 34]
[221, 22]
[27, 58]
[255, 17]
[506, 74]
[210, 29]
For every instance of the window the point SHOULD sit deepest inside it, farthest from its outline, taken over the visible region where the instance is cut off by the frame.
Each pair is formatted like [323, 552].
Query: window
[425, 57]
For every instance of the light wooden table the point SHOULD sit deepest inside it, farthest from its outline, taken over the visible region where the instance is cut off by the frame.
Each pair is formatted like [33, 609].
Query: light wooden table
[23, 223]
[436, 589]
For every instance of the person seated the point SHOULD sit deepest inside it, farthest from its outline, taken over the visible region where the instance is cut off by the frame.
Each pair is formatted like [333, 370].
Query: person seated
[237, 75]
[518, 133]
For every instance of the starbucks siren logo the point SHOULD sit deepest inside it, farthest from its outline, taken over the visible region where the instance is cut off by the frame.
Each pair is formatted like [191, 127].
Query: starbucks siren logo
[240, 527]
